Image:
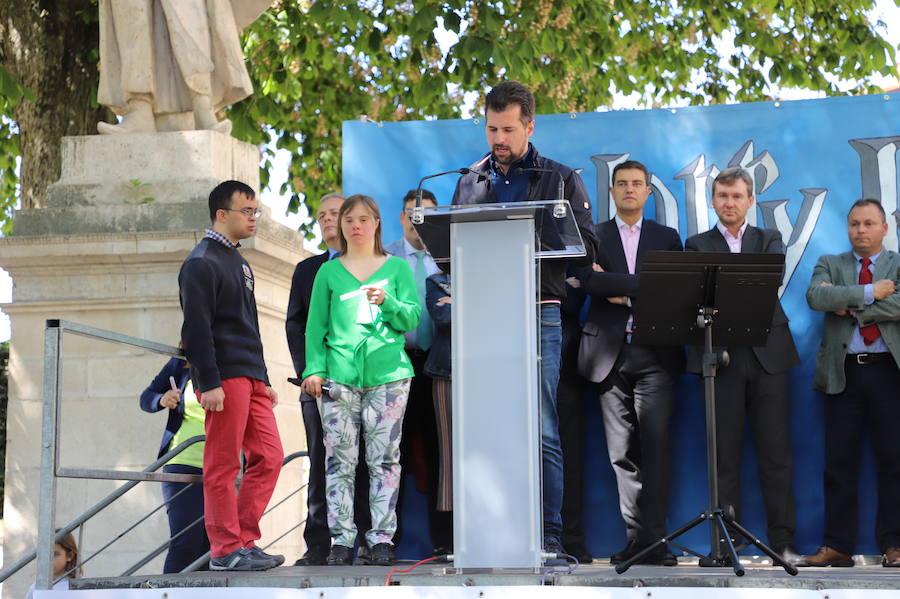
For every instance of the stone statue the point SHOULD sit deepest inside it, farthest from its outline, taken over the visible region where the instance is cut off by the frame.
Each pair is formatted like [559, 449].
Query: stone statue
[169, 65]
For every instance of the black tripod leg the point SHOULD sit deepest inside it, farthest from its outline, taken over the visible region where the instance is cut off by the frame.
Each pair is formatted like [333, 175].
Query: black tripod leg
[776, 559]
[729, 545]
[622, 567]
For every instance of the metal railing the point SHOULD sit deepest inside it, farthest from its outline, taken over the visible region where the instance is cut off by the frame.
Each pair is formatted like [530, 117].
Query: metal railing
[51, 469]
[100, 505]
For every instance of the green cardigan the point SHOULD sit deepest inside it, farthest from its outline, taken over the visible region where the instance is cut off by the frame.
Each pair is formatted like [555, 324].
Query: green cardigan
[356, 343]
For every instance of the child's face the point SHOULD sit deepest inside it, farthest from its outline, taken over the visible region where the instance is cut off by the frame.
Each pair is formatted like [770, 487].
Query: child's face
[60, 557]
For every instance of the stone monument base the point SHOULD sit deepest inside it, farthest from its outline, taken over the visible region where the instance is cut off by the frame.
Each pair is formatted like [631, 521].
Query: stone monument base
[96, 257]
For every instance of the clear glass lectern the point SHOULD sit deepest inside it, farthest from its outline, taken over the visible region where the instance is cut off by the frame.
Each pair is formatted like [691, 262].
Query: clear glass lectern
[492, 251]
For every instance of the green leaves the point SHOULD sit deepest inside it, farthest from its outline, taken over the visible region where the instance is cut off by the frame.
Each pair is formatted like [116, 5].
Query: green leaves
[315, 64]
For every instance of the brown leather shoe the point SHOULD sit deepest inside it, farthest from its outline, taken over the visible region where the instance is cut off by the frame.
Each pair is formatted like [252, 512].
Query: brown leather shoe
[826, 556]
[891, 557]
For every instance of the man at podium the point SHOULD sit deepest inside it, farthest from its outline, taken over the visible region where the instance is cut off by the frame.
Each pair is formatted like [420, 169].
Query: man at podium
[514, 171]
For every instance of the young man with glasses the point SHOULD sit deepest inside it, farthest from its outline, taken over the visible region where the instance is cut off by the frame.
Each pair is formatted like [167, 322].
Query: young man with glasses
[222, 343]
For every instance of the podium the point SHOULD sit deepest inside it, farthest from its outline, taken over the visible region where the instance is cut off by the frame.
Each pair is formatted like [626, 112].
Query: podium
[494, 251]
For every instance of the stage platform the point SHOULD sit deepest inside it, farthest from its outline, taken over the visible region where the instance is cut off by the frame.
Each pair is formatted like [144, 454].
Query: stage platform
[597, 574]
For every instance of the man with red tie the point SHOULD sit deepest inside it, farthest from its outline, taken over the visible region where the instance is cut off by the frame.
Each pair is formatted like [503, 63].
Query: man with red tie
[857, 370]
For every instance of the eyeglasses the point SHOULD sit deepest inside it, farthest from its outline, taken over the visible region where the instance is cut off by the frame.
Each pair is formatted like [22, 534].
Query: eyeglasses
[248, 212]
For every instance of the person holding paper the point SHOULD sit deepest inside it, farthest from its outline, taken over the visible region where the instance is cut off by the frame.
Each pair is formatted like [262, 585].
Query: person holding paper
[173, 391]
[361, 304]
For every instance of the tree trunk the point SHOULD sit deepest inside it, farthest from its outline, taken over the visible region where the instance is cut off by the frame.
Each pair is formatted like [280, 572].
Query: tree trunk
[51, 46]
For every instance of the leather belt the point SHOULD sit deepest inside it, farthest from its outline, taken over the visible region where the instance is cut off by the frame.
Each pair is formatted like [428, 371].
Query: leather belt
[863, 359]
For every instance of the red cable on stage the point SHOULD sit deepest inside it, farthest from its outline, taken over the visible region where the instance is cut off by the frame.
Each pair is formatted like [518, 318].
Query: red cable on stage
[387, 581]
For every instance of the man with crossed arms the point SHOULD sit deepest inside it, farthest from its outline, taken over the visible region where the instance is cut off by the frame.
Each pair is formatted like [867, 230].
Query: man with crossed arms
[857, 370]
[635, 381]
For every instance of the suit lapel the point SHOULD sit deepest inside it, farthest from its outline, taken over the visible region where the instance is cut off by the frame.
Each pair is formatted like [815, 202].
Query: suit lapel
[612, 245]
[883, 266]
[751, 242]
[848, 268]
[718, 241]
[643, 242]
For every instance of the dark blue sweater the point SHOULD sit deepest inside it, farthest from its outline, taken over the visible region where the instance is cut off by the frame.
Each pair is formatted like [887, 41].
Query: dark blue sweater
[221, 329]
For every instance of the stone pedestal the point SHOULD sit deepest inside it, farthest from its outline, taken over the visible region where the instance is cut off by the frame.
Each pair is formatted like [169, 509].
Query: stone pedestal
[101, 257]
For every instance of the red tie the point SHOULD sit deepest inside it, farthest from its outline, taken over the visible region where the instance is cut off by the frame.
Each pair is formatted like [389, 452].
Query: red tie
[870, 332]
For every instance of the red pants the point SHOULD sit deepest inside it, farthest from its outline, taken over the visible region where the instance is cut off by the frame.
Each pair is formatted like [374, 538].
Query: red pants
[246, 423]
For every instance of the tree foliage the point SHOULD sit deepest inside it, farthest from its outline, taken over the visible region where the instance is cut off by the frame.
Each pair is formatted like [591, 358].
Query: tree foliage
[315, 64]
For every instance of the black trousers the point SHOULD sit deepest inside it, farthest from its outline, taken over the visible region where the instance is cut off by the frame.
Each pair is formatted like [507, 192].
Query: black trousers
[419, 454]
[570, 398]
[872, 394]
[316, 533]
[636, 401]
[183, 511]
[746, 392]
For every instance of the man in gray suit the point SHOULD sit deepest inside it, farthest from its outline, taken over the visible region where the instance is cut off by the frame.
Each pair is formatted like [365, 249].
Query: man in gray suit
[857, 370]
[754, 384]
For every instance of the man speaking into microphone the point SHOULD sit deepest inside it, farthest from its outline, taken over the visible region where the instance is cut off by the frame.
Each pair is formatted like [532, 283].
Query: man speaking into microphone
[513, 171]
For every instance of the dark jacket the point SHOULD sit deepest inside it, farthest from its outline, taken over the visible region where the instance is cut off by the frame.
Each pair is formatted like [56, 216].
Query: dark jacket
[221, 328]
[779, 353]
[603, 334]
[154, 392]
[298, 308]
[476, 188]
[438, 362]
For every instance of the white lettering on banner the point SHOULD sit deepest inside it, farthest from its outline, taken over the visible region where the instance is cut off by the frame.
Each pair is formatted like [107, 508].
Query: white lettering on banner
[698, 178]
[878, 173]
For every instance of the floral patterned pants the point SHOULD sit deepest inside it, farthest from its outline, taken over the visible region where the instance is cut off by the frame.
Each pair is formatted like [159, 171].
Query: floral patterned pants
[379, 410]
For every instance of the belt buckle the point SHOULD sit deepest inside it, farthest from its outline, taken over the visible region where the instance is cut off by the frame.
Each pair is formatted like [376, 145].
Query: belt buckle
[862, 359]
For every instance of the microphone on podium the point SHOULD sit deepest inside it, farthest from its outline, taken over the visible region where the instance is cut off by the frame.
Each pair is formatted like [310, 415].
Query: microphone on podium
[559, 208]
[418, 215]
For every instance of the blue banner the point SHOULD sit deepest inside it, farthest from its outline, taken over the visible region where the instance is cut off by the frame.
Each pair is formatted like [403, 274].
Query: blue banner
[810, 160]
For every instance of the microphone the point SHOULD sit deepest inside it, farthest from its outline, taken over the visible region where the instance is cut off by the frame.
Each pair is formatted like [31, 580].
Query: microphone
[418, 215]
[559, 208]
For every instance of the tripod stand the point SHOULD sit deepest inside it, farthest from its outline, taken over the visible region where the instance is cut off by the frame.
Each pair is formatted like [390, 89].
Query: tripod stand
[732, 281]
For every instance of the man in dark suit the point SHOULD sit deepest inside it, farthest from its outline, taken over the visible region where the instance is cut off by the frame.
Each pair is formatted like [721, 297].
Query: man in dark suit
[754, 384]
[419, 441]
[635, 381]
[316, 533]
[857, 370]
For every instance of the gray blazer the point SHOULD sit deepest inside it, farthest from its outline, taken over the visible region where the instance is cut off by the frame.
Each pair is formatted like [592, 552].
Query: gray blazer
[846, 294]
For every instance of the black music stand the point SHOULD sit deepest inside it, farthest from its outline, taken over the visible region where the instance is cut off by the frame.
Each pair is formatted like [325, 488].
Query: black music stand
[691, 292]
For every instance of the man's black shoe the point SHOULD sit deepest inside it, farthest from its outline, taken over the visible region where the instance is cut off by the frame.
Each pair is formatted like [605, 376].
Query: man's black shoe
[314, 556]
[381, 554]
[579, 552]
[661, 556]
[629, 551]
[339, 556]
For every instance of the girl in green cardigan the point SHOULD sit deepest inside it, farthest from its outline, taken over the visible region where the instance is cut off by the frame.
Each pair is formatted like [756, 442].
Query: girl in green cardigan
[361, 304]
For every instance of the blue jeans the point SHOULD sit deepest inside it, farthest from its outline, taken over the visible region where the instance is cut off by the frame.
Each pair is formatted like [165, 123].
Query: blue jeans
[551, 451]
